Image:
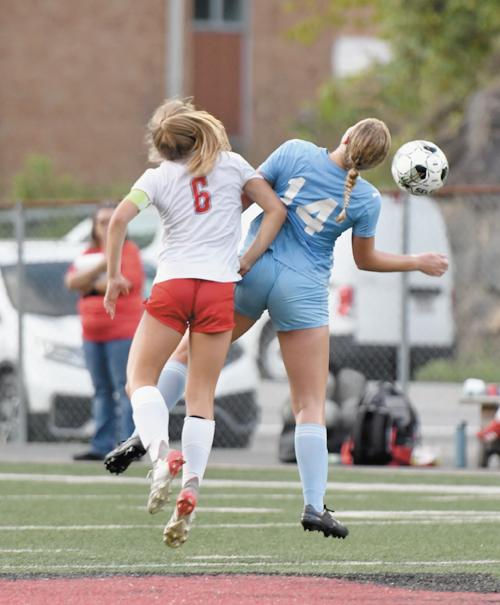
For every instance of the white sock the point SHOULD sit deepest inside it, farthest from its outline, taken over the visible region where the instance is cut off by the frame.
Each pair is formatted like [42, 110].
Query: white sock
[150, 418]
[197, 439]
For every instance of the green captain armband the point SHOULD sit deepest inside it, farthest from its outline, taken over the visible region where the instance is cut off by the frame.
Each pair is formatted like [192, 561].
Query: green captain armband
[139, 198]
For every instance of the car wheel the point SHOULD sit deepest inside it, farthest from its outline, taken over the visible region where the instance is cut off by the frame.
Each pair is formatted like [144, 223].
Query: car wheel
[9, 406]
[270, 361]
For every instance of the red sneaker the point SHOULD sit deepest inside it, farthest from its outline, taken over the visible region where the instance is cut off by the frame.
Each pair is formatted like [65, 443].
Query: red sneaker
[177, 529]
[164, 470]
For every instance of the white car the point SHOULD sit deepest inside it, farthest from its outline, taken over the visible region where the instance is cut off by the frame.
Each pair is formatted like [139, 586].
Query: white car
[57, 384]
[365, 307]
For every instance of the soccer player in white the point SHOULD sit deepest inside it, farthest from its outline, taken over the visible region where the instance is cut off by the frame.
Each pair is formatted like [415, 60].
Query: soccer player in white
[197, 190]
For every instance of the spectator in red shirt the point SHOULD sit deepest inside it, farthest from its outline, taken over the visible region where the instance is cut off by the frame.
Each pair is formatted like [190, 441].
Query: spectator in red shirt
[106, 343]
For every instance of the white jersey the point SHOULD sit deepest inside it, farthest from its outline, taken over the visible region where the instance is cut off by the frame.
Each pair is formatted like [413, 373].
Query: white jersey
[201, 217]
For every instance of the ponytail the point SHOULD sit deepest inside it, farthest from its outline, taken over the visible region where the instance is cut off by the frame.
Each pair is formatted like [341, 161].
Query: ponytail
[178, 130]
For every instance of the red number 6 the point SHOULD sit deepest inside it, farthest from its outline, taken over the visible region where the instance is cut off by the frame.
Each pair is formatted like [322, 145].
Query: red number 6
[202, 201]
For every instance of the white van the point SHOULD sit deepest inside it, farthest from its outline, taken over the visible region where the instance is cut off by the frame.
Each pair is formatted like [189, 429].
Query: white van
[365, 307]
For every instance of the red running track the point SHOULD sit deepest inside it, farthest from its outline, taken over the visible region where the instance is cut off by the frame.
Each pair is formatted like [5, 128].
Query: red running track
[221, 590]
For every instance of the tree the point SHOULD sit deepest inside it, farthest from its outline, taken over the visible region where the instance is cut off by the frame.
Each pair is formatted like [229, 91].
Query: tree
[442, 51]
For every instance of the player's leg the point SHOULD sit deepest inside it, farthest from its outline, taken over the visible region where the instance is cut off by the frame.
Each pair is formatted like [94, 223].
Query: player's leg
[153, 343]
[207, 353]
[305, 355]
[250, 296]
[171, 385]
[299, 309]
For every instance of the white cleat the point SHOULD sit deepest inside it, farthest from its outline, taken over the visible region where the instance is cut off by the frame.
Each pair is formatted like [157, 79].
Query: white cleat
[164, 470]
[177, 529]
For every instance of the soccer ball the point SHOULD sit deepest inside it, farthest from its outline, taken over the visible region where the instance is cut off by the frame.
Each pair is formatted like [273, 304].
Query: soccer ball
[419, 167]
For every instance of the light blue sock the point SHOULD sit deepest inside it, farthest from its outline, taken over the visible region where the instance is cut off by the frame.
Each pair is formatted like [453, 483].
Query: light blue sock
[312, 458]
[171, 384]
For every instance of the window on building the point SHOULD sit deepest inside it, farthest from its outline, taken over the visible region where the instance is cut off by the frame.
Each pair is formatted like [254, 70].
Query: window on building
[218, 13]
[202, 10]
[232, 10]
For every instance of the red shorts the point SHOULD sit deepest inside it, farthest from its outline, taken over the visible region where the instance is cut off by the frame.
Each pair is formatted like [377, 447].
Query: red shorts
[203, 306]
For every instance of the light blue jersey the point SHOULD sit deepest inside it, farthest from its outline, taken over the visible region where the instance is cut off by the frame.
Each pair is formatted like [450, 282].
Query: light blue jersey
[312, 187]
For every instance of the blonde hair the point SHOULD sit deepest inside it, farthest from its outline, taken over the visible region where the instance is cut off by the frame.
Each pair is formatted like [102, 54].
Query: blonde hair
[368, 144]
[178, 130]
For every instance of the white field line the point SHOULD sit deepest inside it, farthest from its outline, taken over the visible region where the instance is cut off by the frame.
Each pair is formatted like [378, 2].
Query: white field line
[253, 564]
[72, 497]
[37, 550]
[224, 483]
[222, 510]
[418, 517]
[217, 496]
[230, 557]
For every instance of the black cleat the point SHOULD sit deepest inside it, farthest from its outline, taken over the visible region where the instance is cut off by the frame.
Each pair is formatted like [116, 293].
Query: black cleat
[323, 521]
[124, 454]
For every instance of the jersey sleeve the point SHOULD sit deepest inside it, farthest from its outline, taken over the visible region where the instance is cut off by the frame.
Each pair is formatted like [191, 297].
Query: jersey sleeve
[247, 171]
[279, 161]
[148, 185]
[366, 225]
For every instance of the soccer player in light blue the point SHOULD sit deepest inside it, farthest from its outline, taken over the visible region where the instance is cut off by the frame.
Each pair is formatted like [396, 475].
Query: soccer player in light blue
[325, 196]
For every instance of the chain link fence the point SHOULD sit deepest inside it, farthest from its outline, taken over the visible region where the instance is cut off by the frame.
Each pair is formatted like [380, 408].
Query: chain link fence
[402, 327]
[45, 389]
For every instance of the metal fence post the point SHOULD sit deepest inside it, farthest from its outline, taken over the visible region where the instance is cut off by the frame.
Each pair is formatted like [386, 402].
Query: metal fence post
[404, 347]
[22, 430]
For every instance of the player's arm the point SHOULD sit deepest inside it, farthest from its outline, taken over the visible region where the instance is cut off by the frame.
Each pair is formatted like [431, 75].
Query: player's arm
[260, 192]
[246, 201]
[367, 258]
[117, 284]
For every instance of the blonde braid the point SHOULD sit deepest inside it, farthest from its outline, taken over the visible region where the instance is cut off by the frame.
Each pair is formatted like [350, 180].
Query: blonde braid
[369, 143]
[350, 181]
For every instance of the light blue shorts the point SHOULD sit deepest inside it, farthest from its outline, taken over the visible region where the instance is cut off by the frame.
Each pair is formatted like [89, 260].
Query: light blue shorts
[294, 301]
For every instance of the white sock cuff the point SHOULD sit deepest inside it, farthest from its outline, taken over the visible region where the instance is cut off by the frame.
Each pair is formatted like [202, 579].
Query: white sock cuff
[310, 430]
[200, 430]
[145, 395]
[176, 366]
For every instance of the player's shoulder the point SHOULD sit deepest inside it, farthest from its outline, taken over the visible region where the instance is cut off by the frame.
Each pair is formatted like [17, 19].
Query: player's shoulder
[367, 190]
[231, 158]
[299, 146]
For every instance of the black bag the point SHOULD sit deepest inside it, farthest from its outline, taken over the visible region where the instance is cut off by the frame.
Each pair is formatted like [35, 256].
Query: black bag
[386, 428]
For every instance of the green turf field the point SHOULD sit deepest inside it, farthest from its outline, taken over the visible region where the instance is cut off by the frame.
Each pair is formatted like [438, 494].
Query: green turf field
[79, 519]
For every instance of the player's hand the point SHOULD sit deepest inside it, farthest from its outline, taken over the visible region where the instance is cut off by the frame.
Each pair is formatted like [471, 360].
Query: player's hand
[432, 263]
[116, 286]
[245, 265]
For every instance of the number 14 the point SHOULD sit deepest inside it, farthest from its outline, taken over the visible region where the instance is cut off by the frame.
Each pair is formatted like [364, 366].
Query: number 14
[322, 208]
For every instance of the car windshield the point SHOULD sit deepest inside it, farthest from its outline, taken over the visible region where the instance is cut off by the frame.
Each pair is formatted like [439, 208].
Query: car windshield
[45, 292]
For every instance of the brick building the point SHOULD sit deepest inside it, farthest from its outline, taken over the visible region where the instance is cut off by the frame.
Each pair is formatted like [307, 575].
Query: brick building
[79, 80]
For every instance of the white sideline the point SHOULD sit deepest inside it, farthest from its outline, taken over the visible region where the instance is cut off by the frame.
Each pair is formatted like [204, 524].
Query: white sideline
[330, 564]
[225, 483]
[361, 517]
